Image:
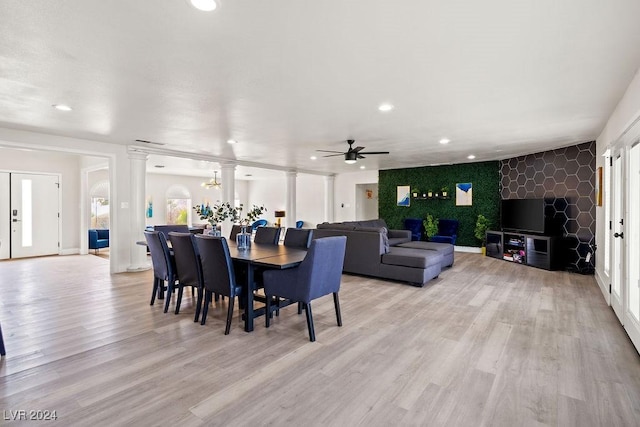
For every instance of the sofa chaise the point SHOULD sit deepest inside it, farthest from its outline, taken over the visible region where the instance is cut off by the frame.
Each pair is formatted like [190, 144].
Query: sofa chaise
[374, 250]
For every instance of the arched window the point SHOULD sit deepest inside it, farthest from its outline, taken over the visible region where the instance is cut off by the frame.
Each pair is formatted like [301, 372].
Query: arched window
[99, 195]
[178, 205]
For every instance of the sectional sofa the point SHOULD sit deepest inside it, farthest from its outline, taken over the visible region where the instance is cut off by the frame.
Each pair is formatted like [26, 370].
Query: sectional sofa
[374, 250]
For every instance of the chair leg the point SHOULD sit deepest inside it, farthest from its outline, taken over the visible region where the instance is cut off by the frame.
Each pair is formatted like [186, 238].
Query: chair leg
[299, 308]
[229, 315]
[336, 302]
[205, 308]
[179, 300]
[267, 314]
[169, 294]
[155, 289]
[312, 334]
[199, 303]
[2, 349]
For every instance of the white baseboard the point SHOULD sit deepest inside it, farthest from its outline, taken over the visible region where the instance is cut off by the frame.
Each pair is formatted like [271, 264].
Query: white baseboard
[70, 251]
[604, 287]
[470, 249]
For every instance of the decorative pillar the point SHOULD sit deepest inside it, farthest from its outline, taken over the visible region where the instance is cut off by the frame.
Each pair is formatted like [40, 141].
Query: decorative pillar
[329, 197]
[228, 180]
[290, 218]
[136, 206]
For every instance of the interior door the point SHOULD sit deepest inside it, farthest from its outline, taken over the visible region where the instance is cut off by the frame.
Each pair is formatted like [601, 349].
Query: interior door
[34, 215]
[632, 247]
[617, 261]
[5, 229]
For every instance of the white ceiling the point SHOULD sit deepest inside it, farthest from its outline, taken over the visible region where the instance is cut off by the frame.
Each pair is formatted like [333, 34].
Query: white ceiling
[287, 77]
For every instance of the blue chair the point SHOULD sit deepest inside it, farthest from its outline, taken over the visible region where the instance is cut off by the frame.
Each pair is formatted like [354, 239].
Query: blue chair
[299, 224]
[258, 223]
[319, 274]
[447, 231]
[98, 238]
[415, 226]
[218, 274]
[188, 268]
[298, 238]
[164, 266]
[267, 235]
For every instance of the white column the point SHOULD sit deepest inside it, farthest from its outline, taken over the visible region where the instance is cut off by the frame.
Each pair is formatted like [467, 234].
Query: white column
[329, 197]
[228, 178]
[136, 206]
[290, 209]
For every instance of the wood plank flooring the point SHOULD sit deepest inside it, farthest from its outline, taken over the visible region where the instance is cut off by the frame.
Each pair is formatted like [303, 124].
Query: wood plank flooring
[489, 343]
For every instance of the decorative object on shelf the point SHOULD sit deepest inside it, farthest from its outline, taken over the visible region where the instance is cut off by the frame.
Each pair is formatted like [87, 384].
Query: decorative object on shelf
[279, 215]
[415, 192]
[430, 193]
[480, 232]
[599, 188]
[430, 226]
[402, 195]
[213, 182]
[445, 191]
[149, 211]
[464, 194]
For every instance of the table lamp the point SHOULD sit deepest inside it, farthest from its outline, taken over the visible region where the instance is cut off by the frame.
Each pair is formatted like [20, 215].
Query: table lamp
[279, 215]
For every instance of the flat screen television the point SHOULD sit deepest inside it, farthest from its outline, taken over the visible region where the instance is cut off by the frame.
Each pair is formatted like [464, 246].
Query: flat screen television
[524, 215]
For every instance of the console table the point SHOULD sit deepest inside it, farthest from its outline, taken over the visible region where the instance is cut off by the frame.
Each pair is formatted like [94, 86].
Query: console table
[528, 249]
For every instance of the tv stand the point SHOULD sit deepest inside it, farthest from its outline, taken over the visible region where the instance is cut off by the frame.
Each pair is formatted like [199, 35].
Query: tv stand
[529, 249]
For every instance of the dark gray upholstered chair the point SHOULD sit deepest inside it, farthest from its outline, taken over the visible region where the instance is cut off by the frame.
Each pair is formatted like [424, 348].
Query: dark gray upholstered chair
[298, 237]
[3, 352]
[267, 235]
[235, 229]
[319, 274]
[163, 265]
[188, 268]
[217, 274]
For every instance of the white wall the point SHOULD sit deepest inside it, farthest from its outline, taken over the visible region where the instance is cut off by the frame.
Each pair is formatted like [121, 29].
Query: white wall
[68, 166]
[345, 193]
[625, 114]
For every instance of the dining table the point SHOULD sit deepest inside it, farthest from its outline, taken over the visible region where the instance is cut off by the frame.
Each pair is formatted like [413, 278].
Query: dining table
[261, 256]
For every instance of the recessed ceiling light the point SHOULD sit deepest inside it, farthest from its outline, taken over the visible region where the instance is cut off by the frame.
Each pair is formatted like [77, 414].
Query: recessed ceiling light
[248, 174]
[444, 141]
[204, 5]
[61, 107]
[471, 157]
[362, 167]
[313, 158]
[385, 107]
[159, 166]
[231, 141]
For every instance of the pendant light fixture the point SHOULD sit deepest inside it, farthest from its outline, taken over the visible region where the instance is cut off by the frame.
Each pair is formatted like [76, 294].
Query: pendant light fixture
[213, 182]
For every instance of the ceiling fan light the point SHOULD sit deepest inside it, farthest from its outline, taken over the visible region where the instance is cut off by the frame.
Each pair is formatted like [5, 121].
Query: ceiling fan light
[204, 5]
[350, 157]
[349, 162]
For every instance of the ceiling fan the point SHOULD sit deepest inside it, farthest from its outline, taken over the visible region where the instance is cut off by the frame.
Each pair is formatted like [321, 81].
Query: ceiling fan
[353, 154]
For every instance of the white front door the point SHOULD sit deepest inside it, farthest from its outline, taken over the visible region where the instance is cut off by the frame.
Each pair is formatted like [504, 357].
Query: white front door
[617, 266]
[632, 246]
[34, 215]
[5, 209]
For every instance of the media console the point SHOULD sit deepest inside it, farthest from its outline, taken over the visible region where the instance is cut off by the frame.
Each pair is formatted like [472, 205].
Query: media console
[528, 249]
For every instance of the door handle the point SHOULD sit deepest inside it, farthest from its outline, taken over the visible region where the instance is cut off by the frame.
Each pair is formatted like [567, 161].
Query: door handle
[16, 220]
[620, 235]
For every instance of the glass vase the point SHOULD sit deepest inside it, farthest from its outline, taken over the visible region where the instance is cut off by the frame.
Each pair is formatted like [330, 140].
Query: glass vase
[243, 239]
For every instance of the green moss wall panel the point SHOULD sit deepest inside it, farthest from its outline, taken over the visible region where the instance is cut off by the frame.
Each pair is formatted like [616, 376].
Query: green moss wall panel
[485, 177]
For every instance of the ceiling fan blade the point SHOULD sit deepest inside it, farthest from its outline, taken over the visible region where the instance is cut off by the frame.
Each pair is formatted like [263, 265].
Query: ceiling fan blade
[334, 155]
[360, 156]
[374, 152]
[330, 151]
[358, 149]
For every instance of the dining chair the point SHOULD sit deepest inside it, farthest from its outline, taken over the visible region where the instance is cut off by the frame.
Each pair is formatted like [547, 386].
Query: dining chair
[217, 274]
[259, 223]
[298, 238]
[163, 265]
[319, 274]
[2, 349]
[188, 267]
[267, 235]
[235, 229]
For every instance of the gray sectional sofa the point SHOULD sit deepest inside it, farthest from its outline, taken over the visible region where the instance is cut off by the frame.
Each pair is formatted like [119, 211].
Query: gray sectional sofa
[374, 250]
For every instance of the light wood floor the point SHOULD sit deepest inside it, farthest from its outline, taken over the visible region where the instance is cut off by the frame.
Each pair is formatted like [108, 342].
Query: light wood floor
[488, 343]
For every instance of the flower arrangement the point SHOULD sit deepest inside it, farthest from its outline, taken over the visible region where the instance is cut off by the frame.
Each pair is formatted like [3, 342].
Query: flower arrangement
[223, 211]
